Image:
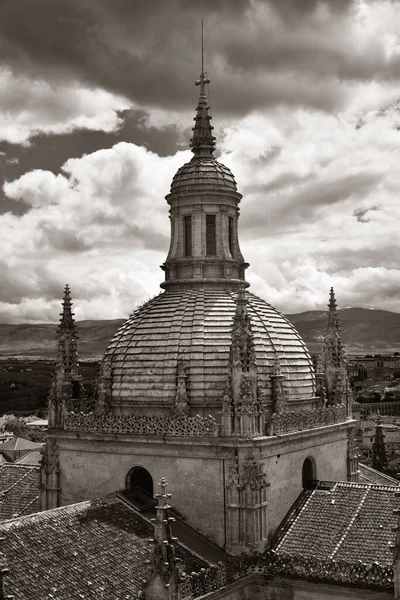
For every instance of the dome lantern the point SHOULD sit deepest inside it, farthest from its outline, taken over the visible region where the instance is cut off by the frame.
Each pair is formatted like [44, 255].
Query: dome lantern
[204, 251]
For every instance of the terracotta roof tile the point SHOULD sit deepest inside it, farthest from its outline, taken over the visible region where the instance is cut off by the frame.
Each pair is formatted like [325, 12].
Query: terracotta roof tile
[89, 550]
[18, 443]
[369, 475]
[19, 490]
[350, 522]
[32, 458]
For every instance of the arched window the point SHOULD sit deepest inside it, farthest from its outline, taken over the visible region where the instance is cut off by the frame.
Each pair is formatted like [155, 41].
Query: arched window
[308, 474]
[139, 480]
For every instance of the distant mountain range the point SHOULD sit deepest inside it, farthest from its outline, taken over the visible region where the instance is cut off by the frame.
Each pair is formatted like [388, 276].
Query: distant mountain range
[364, 331]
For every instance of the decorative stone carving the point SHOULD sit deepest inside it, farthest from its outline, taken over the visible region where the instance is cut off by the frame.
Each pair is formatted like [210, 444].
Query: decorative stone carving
[332, 362]
[164, 578]
[270, 563]
[181, 406]
[142, 424]
[329, 570]
[246, 505]
[253, 475]
[242, 411]
[67, 392]
[308, 419]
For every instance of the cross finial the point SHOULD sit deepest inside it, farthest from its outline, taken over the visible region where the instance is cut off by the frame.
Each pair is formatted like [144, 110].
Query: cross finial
[203, 141]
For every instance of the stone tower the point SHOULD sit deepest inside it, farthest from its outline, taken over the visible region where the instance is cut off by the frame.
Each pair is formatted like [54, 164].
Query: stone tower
[332, 361]
[205, 384]
[66, 394]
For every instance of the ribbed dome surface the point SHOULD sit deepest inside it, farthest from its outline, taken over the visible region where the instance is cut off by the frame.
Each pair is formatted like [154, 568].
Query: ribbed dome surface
[195, 325]
[202, 172]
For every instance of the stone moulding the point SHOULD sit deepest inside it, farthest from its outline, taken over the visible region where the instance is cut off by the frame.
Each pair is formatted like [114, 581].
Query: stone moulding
[307, 419]
[142, 424]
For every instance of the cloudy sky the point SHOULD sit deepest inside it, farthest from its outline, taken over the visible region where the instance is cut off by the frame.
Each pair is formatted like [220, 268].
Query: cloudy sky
[96, 106]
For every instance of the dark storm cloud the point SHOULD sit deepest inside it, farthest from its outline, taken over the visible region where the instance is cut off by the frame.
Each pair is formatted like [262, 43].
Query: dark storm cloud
[286, 211]
[149, 51]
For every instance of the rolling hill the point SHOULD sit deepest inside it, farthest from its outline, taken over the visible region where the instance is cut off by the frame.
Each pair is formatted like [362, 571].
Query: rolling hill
[364, 331]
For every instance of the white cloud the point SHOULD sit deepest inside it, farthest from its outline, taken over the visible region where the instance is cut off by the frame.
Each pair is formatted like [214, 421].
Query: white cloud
[320, 187]
[28, 108]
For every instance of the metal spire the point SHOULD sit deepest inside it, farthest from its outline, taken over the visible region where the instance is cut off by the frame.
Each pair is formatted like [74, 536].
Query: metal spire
[203, 141]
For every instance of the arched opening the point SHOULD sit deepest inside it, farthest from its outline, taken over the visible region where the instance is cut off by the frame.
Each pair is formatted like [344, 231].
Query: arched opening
[308, 474]
[140, 483]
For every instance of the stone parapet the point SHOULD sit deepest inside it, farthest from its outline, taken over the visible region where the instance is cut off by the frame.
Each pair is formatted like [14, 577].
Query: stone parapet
[329, 570]
[142, 424]
[288, 422]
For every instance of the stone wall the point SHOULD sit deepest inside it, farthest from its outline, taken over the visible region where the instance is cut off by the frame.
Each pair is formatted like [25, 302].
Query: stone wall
[283, 462]
[94, 468]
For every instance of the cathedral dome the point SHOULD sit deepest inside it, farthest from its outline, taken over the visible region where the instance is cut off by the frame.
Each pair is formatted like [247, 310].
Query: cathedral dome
[203, 172]
[195, 326]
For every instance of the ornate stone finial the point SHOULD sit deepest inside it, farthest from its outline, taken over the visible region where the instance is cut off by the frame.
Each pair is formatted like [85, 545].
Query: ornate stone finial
[379, 456]
[203, 141]
[67, 321]
[332, 361]
[242, 410]
[67, 391]
[163, 580]
[67, 333]
[333, 319]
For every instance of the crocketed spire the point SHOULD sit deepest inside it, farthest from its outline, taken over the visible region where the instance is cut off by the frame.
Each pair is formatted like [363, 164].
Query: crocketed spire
[203, 141]
[67, 322]
[163, 578]
[332, 361]
[67, 334]
[241, 410]
[333, 319]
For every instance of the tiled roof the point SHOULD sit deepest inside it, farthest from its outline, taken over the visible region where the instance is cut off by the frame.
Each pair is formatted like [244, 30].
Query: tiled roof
[203, 172]
[18, 443]
[369, 475]
[351, 522]
[91, 550]
[32, 458]
[19, 490]
[197, 324]
[393, 437]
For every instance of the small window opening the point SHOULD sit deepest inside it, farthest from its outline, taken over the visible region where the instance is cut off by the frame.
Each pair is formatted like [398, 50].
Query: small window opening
[308, 474]
[139, 479]
[188, 235]
[211, 249]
